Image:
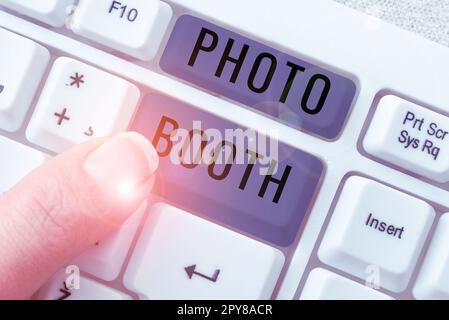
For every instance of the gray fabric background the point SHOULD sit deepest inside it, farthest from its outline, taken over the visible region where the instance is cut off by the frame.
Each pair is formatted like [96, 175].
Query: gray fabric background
[429, 18]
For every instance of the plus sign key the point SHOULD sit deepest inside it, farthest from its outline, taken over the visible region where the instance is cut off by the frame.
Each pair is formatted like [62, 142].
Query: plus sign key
[80, 102]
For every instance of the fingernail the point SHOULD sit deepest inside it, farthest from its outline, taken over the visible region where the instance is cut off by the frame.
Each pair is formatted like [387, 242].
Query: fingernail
[122, 163]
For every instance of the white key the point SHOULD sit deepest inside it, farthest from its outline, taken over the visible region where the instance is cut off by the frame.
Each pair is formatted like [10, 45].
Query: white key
[79, 102]
[376, 228]
[325, 285]
[433, 278]
[181, 256]
[135, 27]
[68, 285]
[17, 160]
[410, 136]
[22, 66]
[52, 12]
[106, 258]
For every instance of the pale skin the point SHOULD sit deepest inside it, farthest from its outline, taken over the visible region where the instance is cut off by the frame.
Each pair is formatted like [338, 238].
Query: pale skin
[67, 205]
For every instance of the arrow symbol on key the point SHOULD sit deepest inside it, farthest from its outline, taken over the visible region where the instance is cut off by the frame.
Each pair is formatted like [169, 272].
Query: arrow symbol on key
[65, 291]
[191, 271]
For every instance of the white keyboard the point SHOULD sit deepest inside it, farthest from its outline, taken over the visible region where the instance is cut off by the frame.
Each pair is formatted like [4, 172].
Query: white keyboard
[358, 206]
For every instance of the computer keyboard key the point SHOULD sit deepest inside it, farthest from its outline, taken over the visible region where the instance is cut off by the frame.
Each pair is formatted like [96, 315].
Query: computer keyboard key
[80, 102]
[52, 12]
[325, 285]
[375, 227]
[68, 285]
[433, 278]
[135, 27]
[269, 81]
[264, 187]
[17, 160]
[105, 259]
[181, 256]
[22, 66]
[411, 137]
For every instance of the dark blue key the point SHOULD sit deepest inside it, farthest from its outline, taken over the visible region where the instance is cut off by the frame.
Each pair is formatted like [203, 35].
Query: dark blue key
[270, 205]
[288, 89]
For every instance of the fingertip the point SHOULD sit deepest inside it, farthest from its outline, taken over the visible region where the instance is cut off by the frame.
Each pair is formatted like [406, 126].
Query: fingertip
[146, 146]
[76, 198]
[123, 165]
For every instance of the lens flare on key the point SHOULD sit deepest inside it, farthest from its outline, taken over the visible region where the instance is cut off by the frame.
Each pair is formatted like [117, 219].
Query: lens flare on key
[125, 188]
